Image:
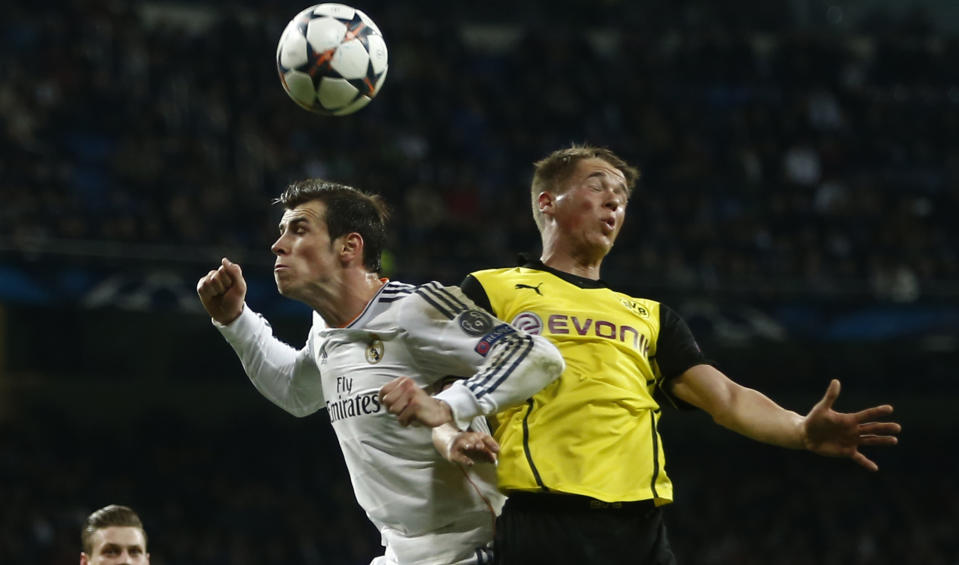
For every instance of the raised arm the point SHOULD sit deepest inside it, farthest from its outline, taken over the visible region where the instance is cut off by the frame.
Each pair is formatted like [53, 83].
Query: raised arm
[752, 414]
[502, 366]
[286, 376]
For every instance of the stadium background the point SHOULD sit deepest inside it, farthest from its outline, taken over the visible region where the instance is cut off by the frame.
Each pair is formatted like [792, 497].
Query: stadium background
[798, 205]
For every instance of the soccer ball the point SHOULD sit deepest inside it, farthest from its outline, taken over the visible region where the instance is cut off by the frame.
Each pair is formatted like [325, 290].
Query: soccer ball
[331, 59]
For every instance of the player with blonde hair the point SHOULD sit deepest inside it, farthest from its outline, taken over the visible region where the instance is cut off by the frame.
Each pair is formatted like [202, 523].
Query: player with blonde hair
[582, 461]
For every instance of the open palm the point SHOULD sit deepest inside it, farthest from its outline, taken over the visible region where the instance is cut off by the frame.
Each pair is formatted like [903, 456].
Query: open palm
[840, 434]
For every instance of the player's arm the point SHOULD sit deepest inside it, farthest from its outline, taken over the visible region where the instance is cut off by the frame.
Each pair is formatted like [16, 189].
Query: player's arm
[738, 408]
[516, 368]
[222, 292]
[473, 289]
[286, 376]
[504, 366]
[823, 430]
[754, 415]
[464, 447]
[412, 404]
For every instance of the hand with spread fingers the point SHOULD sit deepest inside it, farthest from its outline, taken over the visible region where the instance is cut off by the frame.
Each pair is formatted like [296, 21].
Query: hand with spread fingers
[840, 434]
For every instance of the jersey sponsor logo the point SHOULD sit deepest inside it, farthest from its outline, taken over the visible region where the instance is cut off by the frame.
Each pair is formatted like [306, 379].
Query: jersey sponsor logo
[475, 322]
[564, 324]
[352, 406]
[374, 351]
[489, 340]
[635, 307]
[534, 288]
[528, 322]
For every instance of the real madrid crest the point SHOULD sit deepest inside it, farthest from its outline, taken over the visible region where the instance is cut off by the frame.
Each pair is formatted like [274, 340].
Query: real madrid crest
[374, 351]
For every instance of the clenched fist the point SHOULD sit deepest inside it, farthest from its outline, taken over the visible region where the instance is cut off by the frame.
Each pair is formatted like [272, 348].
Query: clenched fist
[222, 292]
[413, 405]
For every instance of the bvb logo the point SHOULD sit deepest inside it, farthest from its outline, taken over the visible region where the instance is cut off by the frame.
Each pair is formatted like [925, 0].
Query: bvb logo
[635, 307]
[374, 351]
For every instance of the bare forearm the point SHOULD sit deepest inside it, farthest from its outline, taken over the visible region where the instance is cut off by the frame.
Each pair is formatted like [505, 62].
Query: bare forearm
[756, 416]
[743, 410]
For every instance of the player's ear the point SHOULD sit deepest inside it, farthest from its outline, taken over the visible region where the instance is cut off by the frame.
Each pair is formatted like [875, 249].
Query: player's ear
[545, 201]
[84, 560]
[352, 247]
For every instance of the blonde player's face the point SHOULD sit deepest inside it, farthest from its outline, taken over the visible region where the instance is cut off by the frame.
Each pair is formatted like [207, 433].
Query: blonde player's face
[117, 545]
[590, 212]
[304, 253]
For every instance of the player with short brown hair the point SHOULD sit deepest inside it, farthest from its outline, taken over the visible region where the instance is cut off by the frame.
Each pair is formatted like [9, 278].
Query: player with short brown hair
[114, 535]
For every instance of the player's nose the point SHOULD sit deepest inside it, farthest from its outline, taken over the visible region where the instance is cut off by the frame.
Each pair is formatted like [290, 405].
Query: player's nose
[614, 201]
[279, 247]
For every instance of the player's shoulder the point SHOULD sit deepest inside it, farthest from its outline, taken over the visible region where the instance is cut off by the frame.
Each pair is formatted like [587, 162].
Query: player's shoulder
[501, 271]
[625, 295]
[505, 274]
[434, 300]
[629, 294]
[643, 307]
[395, 290]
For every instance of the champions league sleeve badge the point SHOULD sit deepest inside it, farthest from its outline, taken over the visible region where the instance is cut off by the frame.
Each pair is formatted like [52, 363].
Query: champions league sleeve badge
[475, 322]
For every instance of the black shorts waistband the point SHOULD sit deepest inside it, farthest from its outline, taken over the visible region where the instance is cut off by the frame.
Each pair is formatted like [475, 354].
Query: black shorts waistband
[575, 503]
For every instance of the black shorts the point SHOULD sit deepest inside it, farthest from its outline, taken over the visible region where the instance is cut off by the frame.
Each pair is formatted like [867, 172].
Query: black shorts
[556, 528]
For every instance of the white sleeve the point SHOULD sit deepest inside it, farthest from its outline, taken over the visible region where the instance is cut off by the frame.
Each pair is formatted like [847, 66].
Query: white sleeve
[503, 365]
[286, 376]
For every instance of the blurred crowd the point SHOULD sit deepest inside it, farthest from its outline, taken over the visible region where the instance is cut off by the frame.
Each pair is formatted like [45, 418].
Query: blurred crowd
[239, 496]
[772, 158]
[775, 159]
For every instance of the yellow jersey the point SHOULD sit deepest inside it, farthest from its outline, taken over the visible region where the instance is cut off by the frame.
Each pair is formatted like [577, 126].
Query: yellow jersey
[592, 432]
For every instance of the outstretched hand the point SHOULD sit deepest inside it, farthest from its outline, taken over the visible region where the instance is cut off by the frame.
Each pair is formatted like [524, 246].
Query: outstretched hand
[411, 404]
[222, 292]
[465, 448]
[840, 434]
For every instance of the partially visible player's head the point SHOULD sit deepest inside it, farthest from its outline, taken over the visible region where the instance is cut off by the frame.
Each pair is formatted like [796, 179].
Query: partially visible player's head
[553, 173]
[346, 210]
[114, 535]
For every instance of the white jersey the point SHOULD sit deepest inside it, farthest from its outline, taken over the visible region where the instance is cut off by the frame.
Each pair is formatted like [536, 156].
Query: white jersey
[428, 510]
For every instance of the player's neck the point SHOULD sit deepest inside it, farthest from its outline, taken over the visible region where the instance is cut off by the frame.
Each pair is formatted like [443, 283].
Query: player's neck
[574, 255]
[583, 265]
[347, 298]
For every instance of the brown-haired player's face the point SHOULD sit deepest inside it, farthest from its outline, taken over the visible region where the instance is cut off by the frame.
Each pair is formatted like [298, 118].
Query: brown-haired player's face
[591, 210]
[117, 545]
[304, 254]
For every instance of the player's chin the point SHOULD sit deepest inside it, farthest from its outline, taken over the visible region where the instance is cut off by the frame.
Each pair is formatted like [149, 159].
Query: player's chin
[283, 285]
[608, 235]
[602, 244]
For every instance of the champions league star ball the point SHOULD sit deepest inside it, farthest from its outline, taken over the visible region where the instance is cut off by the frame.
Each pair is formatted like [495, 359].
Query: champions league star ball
[331, 59]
